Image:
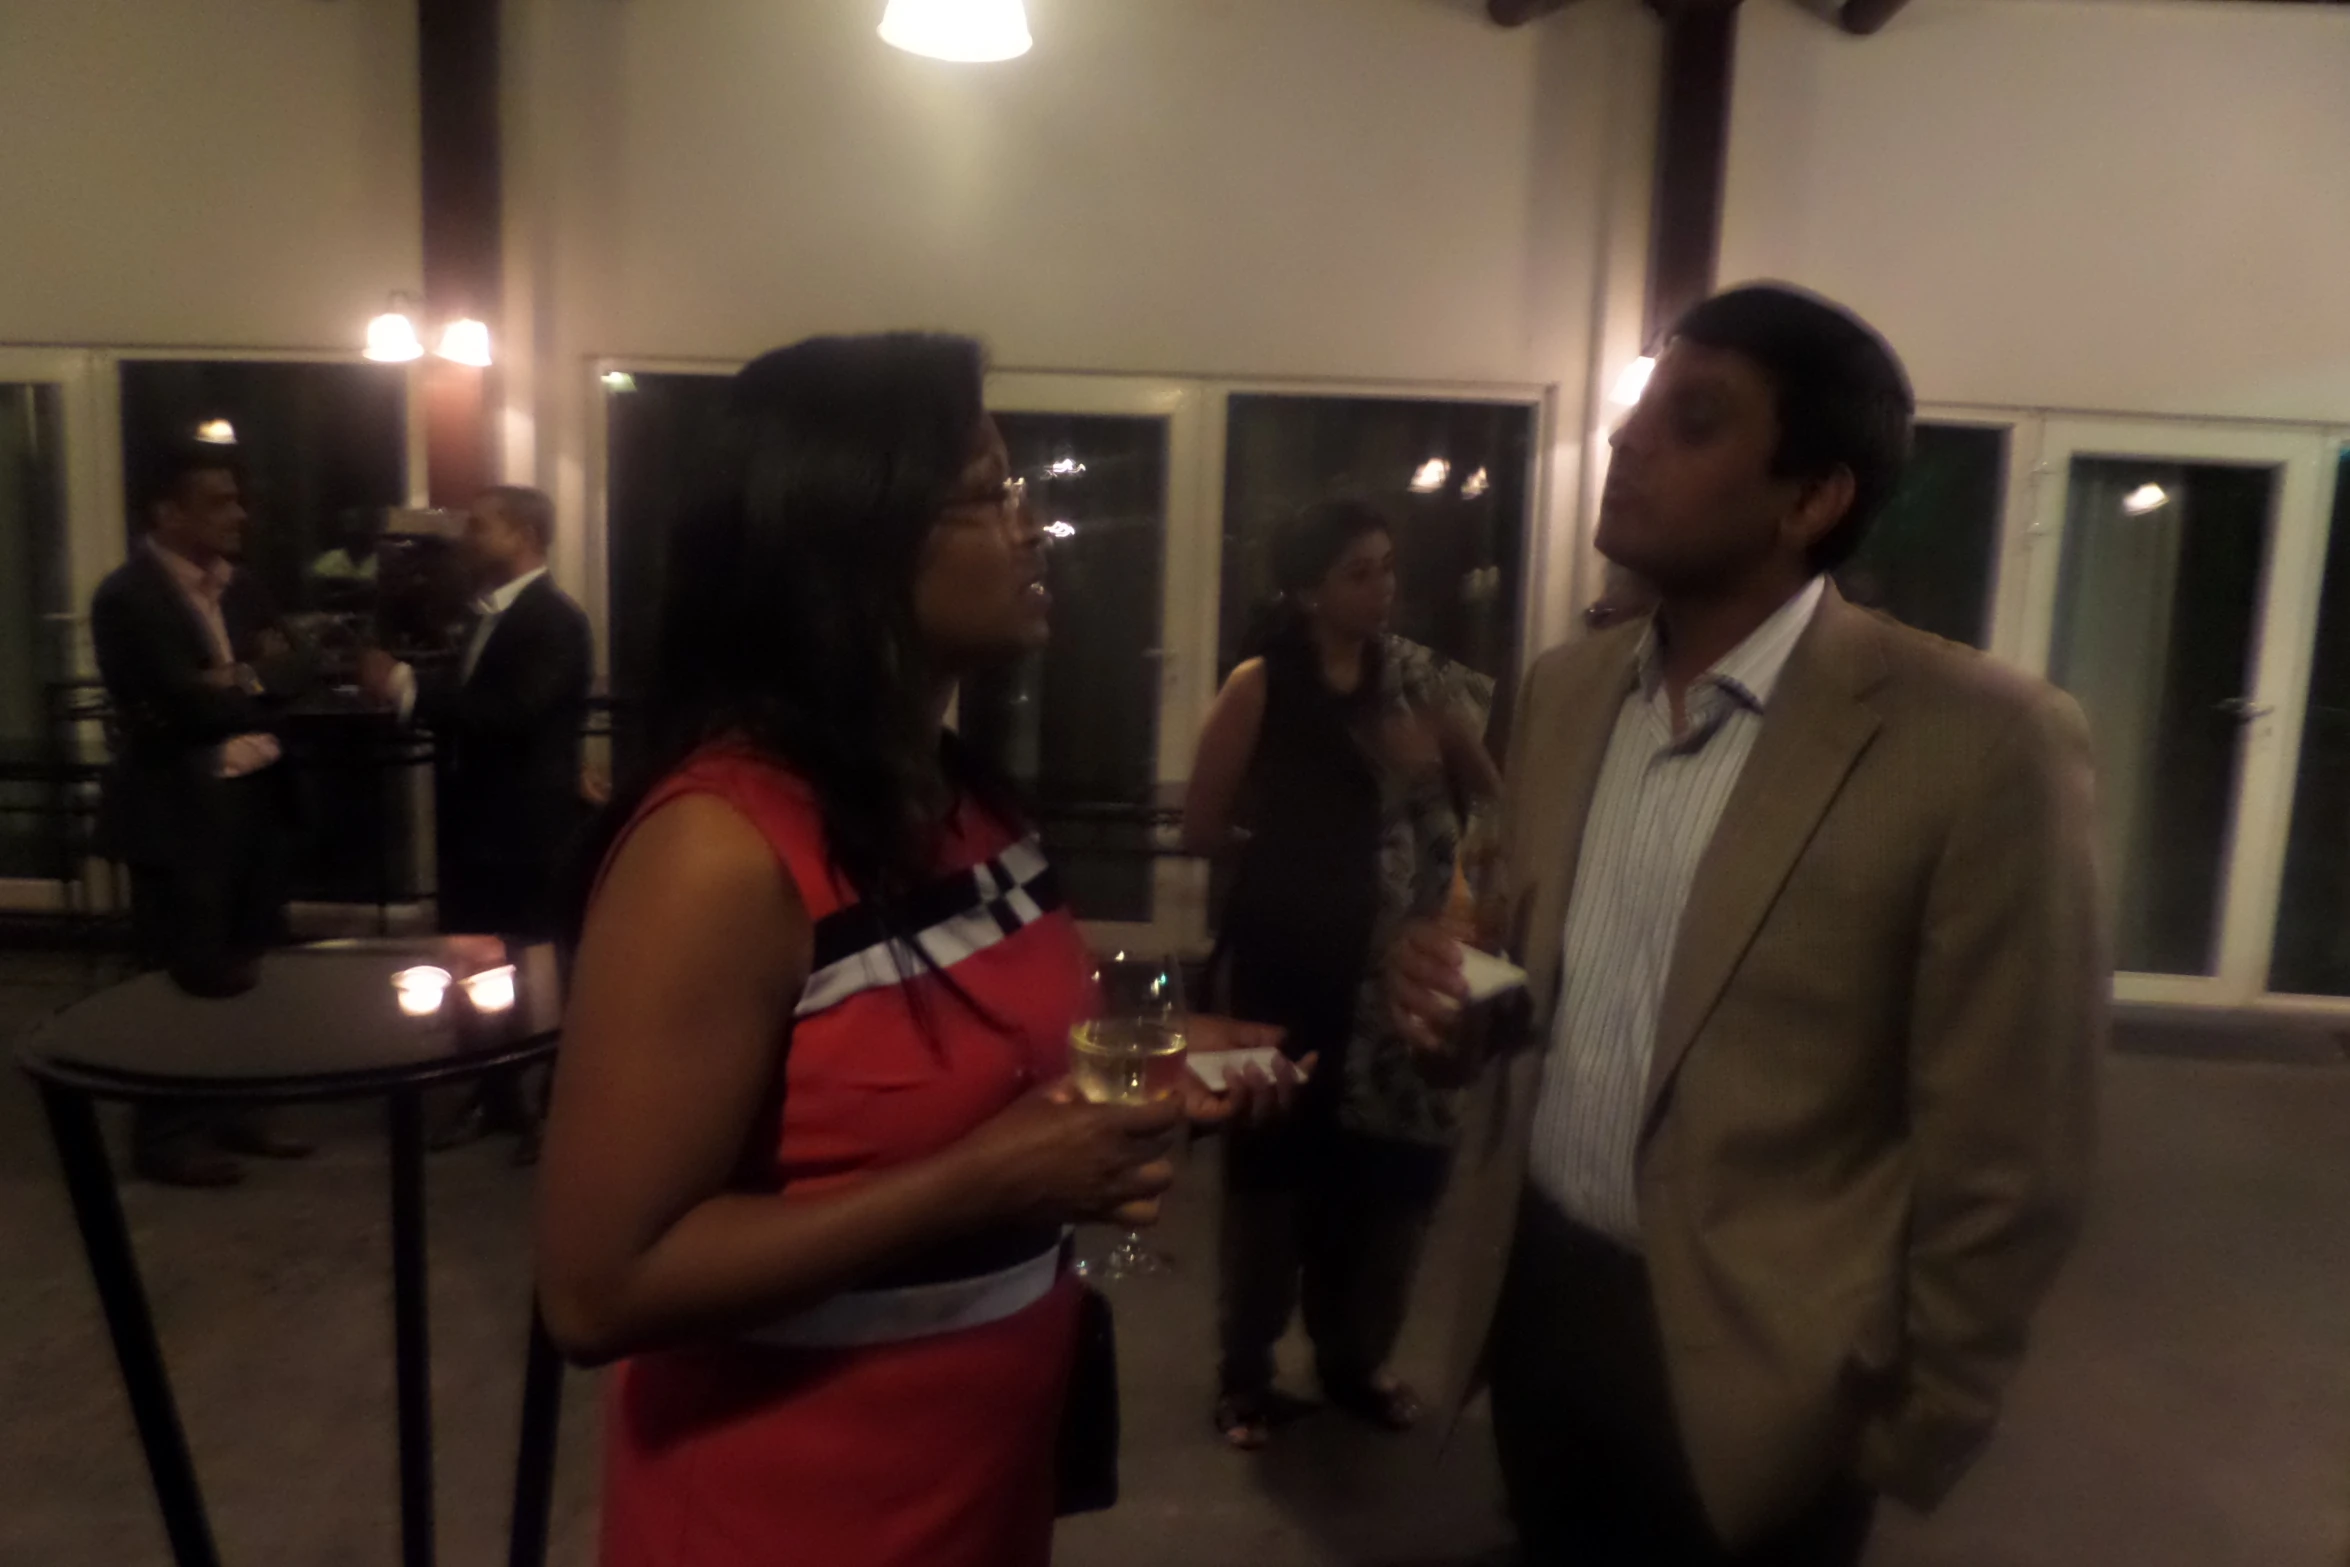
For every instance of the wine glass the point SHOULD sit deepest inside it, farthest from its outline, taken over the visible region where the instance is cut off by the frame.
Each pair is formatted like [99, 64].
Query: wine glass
[1131, 1054]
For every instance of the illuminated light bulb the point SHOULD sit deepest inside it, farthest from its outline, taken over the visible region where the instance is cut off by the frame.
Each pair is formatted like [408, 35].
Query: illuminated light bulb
[217, 432]
[2145, 498]
[1066, 468]
[619, 381]
[1060, 530]
[1632, 382]
[1474, 485]
[420, 989]
[1430, 475]
[969, 32]
[392, 339]
[491, 990]
[465, 341]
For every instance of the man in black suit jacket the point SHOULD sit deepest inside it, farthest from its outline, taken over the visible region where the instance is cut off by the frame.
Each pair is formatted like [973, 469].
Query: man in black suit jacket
[198, 669]
[506, 720]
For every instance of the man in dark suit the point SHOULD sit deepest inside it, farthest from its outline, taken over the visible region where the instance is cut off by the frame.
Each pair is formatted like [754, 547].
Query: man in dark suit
[198, 668]
[506, 720]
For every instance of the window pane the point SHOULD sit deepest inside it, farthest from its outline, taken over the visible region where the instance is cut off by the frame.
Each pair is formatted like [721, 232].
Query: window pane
[1452, 475]
[2313, 919]
[2156, 611]
[1928, 560]
[1079, 721]
[653, 454]
[317, 442]
[34, 647]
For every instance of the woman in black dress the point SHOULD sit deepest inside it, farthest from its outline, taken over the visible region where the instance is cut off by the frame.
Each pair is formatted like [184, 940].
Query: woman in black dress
[1337, 766]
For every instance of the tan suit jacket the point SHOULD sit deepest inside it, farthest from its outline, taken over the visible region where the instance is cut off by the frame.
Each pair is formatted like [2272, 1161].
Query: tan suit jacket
[1871, 1104]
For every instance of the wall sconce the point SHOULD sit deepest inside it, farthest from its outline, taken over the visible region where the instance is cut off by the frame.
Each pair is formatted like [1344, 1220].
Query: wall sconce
[465, 341]
[216, 432]
[391, 337]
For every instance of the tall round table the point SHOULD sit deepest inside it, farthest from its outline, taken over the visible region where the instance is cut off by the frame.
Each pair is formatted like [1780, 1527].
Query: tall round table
[323, 1023]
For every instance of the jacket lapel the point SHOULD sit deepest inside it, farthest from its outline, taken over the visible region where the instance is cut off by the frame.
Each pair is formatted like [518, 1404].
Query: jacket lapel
[165, 592]
[1815, 729]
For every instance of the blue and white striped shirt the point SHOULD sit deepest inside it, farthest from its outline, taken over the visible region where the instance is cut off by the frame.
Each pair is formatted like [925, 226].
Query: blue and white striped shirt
[1658, 802]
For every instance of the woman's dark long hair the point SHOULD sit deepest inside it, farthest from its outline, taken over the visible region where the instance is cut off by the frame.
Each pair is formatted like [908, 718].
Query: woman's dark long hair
[787, 615]
[1304, 551]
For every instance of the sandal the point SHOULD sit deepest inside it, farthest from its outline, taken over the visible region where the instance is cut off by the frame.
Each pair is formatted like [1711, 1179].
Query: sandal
[1381, 1400]
[1245, 1420]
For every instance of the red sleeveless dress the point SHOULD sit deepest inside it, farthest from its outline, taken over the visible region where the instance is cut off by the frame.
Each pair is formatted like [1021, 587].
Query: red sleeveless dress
[925, 1452]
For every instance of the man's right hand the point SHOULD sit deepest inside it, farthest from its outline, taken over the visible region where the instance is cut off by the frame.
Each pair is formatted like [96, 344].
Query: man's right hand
[1425, 989]
[1053, 1156]
[378, 672]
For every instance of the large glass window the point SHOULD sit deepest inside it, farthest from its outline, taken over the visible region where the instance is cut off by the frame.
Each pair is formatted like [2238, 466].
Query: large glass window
[1453, 476]
[2157, 616]
[35, 655]
[2312, 953]
[1930, 559]
[1078, 722]
[324, 449]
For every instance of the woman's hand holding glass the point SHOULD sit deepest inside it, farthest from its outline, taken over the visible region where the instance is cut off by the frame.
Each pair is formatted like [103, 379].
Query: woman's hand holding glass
[1054, 1157]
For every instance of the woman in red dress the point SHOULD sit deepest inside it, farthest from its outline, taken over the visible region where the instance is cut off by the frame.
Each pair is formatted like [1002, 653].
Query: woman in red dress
[811, 1157]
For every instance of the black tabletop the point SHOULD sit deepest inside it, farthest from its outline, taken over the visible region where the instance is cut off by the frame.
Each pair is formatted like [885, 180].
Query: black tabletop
[324, 1022]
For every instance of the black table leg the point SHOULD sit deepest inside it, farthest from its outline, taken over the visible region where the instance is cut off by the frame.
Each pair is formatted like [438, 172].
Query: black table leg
[534, 1463]
[89, 1181]
[411, 1339]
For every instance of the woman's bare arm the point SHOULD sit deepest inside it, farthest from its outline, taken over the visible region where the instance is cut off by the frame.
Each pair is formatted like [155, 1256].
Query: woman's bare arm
[1227, 743]
[694, 956]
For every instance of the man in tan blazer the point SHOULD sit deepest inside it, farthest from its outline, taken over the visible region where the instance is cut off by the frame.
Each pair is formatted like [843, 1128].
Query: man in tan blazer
[1766, 1194]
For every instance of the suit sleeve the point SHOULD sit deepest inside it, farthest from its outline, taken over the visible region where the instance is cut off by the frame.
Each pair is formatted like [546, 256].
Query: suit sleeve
[156, 689]
[2007, 1027]
[556, 675]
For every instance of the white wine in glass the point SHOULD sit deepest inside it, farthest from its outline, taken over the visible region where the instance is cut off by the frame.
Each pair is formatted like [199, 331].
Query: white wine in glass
[1131, 1055]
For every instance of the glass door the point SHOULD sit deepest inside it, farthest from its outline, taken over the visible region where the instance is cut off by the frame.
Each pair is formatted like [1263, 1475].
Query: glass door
[2173, 584]
[54, 549]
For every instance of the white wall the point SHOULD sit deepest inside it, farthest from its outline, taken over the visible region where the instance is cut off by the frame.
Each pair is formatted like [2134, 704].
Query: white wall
[1336, 187]
[2099, 204]
[1373, 190]
[205, 172]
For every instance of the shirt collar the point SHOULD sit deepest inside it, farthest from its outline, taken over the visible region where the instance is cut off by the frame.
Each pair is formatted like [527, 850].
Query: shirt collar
[499, 600]
[211, 581]
[1750, 671]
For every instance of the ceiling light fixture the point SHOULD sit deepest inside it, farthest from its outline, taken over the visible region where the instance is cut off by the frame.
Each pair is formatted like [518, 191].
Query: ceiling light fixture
[217, 432]
[1633, 382]
[969, 32]
[1474, 485]
[465, 341]
[2145, 498]
[1430, 476]
[619, 381]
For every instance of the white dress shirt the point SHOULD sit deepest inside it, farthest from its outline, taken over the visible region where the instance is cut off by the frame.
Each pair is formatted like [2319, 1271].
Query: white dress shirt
[1658, 802]
[488, 609]
[202, 587]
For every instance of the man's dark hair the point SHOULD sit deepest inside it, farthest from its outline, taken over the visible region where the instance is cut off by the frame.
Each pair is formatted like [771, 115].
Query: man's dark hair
[167, 474]
[1842, 397]
[525, 508]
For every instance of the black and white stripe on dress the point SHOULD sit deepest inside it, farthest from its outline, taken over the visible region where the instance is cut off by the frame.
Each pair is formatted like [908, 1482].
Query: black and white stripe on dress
[956, 916]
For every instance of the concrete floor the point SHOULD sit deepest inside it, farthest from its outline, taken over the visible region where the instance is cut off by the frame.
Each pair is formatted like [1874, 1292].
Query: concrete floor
[2188, 1404]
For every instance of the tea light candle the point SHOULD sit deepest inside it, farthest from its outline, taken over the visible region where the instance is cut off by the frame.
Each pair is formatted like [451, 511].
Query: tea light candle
[420, 989]
[491, 990]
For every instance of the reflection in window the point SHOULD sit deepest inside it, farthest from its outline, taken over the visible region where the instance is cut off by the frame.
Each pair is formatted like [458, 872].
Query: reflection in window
[1927, 561]
[2157, 604]
[323, 449]
[2313, 919]
[1453, 477]
[1078, 722]
[35, 653]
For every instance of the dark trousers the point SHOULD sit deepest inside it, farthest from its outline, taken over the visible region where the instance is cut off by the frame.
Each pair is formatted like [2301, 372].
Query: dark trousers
[1591, 1453]
[205, 917]
[1349, 1247]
